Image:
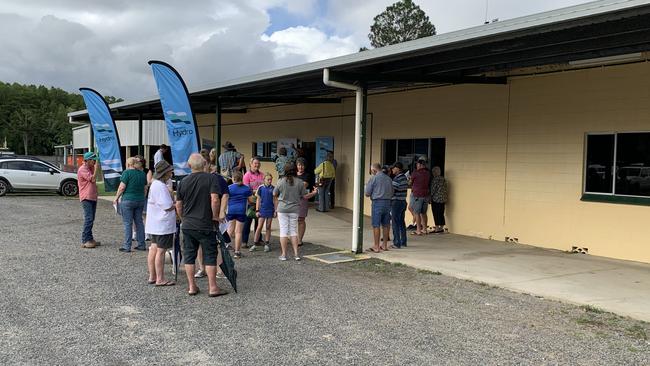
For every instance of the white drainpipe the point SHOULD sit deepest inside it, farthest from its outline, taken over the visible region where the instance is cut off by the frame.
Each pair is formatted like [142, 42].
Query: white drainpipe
[357, 152]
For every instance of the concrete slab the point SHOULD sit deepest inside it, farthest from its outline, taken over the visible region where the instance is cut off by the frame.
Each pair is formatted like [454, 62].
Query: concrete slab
[621, 287]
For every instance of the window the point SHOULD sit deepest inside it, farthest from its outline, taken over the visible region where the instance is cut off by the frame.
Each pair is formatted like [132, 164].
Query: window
[408, 151]
[35, 167]
[15, 165]
[265, 150]
[618, 164]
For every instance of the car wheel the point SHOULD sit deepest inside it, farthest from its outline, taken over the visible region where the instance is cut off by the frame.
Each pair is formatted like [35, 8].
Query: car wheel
[4, 187]
[69, 188]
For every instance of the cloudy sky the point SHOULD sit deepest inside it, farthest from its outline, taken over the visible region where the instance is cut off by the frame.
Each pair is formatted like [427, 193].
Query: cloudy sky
[106, 44]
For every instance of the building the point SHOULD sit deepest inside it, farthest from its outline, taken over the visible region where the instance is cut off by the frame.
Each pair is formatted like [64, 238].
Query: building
[541, 123]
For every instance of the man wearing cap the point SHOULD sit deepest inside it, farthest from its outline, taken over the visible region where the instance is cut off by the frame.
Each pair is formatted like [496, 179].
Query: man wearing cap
[230, 160]
[87, 181]
[326, 174]
[398, 205]
[160, 154]
[420, 180]
[160, 224]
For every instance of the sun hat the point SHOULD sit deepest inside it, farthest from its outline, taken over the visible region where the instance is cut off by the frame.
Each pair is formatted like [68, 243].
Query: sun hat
[90, 156]
[398, 165]
[229, 146]
[162, 168]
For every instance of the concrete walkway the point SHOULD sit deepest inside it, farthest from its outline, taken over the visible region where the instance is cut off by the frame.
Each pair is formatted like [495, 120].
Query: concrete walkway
[621, 287]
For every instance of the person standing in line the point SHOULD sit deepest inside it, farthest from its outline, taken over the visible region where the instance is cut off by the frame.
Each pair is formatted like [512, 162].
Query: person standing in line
[160, 223]
[238, 200]
[265, 210]
[438, 199]
[198, 206]
[333, 185]
[253, 178]
[302, 173]
[230, 161]
[223, 199]
[420, 180]
[131, 191]
[212, 166]
[160, 154]
[287, 195]
[206, 156]
[398, 205]
[87, 181]
[326, 173]
[380, 190]
[281, 161]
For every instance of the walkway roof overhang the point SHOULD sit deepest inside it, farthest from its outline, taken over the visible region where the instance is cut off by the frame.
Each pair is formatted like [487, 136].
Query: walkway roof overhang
[475, 55]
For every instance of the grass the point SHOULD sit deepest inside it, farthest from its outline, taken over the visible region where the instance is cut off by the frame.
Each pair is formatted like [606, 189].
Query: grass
[426, 271]
[589, 320]
[637, 332]
[101, 191]
[592, 309]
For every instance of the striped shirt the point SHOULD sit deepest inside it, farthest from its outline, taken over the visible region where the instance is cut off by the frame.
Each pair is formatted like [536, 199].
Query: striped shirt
[400, 186]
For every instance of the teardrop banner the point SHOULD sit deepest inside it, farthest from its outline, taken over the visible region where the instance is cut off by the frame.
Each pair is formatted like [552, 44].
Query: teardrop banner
[107, 140]
[179, 118]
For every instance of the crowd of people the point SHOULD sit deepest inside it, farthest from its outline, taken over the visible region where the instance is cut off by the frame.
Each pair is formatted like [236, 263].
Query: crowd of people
[387, 189]
[232, 197]
[203, 201]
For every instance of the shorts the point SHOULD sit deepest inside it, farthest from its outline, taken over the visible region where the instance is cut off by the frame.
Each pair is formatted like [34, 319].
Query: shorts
[164, 241]
[207, 240]
[288, 224]
[419, 205]
[266, 214]
[380, 213]
[238, 217]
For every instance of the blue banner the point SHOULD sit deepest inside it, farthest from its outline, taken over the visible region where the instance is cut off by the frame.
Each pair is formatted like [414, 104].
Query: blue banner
[106, 138]
[323, 145]
[181, 126]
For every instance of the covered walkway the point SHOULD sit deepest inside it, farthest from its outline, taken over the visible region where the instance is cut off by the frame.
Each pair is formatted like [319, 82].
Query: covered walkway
[621, 287]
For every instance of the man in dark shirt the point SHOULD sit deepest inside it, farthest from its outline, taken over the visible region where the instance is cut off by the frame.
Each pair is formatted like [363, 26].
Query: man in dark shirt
[198, 206]
[420, 180]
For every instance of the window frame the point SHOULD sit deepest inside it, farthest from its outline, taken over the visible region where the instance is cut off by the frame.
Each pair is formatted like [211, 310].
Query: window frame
[412, 139]
[612, 197]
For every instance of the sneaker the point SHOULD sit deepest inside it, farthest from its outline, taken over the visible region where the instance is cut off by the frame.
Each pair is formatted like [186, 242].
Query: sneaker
[253, 248]
[200, 274]
[88, 245]
[124, 250]
[297, 258]
[267, 248]
[220, 275]
[237, 255]
[282, 258]
[411, 227]
[97, 243]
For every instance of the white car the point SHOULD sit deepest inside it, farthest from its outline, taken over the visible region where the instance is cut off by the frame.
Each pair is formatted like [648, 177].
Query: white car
[26, 173]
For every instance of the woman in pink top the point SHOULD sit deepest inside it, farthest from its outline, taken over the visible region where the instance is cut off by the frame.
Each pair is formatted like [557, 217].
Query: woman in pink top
[254, 178]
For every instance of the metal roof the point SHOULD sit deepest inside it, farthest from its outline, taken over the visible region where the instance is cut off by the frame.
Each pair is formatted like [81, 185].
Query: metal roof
[596, 29]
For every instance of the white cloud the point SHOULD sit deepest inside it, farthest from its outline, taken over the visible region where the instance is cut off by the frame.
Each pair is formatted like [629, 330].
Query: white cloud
[310, 43]
[106, 45]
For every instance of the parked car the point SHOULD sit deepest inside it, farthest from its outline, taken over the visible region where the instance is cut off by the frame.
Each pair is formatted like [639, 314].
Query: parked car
[19, 173]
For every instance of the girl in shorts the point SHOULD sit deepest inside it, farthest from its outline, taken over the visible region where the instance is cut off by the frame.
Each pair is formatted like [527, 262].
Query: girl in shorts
[239, 195]
[265, 210]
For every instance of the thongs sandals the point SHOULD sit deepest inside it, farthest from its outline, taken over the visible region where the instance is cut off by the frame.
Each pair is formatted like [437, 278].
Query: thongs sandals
[151, 282]
[194, 293]
[371, 249]
[168, 283]
[416, 233]
[219, 293]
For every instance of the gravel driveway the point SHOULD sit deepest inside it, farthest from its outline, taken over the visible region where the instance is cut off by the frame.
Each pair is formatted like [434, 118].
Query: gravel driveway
[67, 306]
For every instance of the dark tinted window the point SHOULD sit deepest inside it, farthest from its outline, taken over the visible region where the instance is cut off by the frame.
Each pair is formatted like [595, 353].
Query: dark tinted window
[633, 163]
[36, 167]
[407, 151]
[600, 160]
[15, 165]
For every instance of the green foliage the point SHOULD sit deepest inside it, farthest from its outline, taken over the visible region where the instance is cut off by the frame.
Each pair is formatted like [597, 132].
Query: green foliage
[403, 21]
[35, 118]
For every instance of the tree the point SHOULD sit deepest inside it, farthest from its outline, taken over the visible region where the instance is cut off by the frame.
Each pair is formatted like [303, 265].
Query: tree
[403, 21]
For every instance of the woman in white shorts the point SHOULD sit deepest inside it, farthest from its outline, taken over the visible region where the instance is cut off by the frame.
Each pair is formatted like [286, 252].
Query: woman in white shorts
[287, 195]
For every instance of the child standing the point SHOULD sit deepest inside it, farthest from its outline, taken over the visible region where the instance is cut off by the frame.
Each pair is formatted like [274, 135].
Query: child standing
[237, 202]
[265, 210]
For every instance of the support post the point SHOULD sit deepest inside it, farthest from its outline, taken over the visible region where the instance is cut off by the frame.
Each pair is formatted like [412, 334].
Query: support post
[140, 150]
[217, 134]
[359, 167]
